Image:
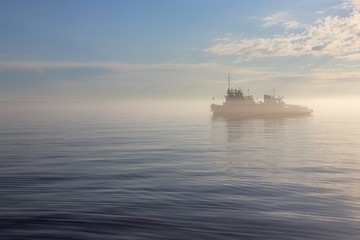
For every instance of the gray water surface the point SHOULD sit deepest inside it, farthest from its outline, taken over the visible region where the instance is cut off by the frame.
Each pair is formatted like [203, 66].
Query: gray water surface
[111, 173]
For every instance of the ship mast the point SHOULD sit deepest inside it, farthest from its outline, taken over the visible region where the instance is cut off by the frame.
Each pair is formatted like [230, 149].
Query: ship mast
[229, 81]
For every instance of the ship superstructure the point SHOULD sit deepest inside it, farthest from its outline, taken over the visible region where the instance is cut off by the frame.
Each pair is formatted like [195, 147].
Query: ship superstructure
[238, 104]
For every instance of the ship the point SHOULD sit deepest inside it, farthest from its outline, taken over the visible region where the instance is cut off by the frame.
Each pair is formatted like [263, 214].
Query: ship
[239, 105]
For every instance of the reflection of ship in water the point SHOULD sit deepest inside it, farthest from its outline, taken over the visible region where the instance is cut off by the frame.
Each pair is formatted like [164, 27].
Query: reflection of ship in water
[234, 129]
[241, 106]
[252, 144]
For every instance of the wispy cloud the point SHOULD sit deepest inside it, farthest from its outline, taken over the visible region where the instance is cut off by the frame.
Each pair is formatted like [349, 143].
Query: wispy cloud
[121, 79]
[282, 19]
[352, 57]
[344, 6]
[274, 19]
[73, 80]
[356, 4]
[348, 5]
[213, 72]
[20, 56]
[113, 66]
[334, 36]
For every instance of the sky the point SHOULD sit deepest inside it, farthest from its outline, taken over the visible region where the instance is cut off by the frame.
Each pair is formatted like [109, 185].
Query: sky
[137, 49]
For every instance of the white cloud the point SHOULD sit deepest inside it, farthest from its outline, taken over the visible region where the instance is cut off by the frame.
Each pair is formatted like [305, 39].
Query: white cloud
[330, 36]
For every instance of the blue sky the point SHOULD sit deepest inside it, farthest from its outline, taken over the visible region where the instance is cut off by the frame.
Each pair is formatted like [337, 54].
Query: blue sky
[56, 50]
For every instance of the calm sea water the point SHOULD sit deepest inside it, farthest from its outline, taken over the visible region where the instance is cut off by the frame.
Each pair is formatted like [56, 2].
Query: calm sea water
[152, 173]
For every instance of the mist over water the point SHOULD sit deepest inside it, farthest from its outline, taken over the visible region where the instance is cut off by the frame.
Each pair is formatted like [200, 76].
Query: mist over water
[169, 170]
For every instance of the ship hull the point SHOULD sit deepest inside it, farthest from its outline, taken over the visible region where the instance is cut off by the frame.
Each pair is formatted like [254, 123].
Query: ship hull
[258, 110]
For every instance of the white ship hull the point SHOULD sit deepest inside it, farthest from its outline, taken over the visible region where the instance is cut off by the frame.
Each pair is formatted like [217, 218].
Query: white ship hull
[259, 110]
